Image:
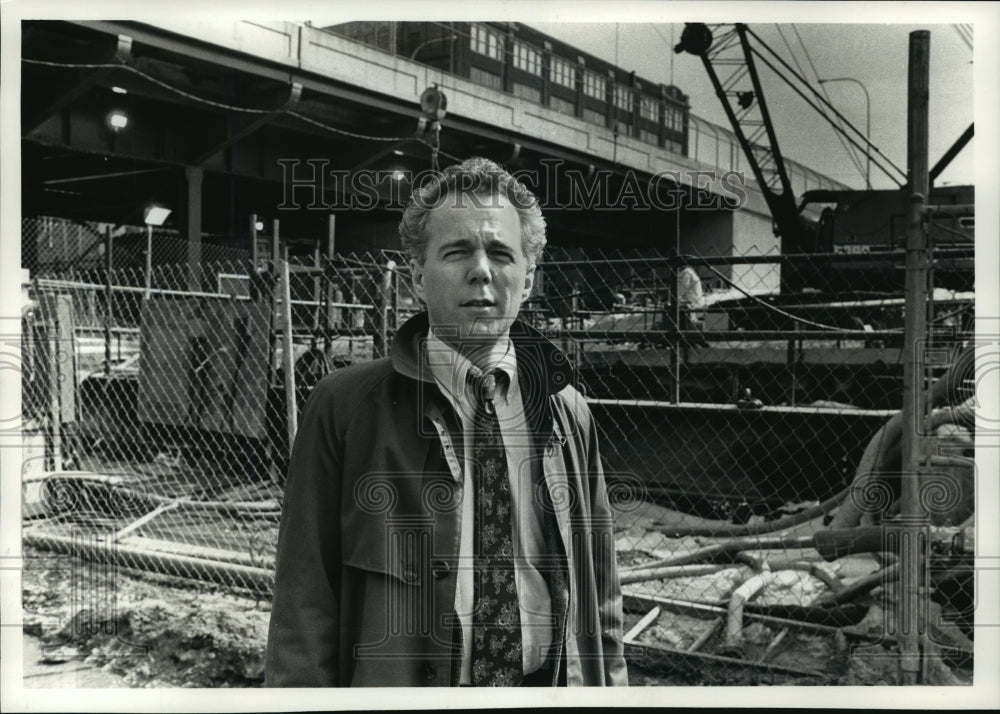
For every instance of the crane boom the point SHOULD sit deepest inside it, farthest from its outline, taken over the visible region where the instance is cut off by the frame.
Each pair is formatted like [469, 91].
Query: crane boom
[754, 130]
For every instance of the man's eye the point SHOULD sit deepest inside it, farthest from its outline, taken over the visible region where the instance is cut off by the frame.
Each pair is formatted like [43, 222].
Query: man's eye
[503, 255]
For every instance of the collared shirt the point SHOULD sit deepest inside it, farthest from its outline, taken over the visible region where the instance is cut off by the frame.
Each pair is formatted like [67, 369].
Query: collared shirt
[451, 372]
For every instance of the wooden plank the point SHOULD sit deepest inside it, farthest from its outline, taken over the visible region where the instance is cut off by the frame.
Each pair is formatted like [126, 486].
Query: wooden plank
[641, 625]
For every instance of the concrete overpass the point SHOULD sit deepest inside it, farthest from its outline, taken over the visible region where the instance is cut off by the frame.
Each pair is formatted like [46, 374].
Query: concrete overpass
[231, 118]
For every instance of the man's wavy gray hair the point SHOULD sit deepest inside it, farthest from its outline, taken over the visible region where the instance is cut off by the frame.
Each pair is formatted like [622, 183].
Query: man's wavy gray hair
[477, 178]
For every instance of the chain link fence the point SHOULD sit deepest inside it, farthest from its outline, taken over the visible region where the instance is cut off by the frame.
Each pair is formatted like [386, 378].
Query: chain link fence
[753, 437]
[750, 435]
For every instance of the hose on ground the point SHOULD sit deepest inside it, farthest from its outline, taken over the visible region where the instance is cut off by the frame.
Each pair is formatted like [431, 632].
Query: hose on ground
[881, 451]
[750, 529]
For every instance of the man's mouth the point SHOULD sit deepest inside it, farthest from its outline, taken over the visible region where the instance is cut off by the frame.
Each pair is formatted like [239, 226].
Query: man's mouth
[478, 303]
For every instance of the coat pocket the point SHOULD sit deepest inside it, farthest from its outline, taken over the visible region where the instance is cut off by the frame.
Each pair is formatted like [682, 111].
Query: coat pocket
[397, 547]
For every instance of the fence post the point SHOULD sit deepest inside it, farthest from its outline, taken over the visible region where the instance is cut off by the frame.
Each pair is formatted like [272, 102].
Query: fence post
[674, 310]
[149, 259]
[384, 300]
[50, 313]
[571, 322]
[792, 358]
[288, 354]
[253, 240]
[911, 594]
[108, 263]
[318, 317]
[332, 316]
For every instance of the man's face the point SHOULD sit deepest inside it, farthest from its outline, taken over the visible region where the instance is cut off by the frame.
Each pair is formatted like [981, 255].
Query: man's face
[475, 275]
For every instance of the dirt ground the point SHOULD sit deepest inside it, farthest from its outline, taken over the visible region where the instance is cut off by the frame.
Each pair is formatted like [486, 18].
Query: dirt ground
[153, 631]
[143, 630]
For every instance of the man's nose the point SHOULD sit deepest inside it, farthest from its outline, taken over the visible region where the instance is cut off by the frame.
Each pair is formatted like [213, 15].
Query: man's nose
[480, 270]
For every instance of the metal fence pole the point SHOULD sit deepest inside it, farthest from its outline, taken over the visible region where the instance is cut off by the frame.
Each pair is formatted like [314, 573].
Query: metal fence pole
[149, 258]
[909, 605]
[253, 240]
[674, 310]
[288, 353]
[382, 312]
[332, 317]
[108, 266]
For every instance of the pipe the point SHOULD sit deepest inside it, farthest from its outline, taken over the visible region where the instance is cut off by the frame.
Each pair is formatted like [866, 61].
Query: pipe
[130, 496]
[861, 586]
[734, 619]
[808, 622]
[220, 555]
[730, 547]
[77, 285]
[257, 579]
[882, 455]
[755, 528]
[820, 571]
[742, 594]
[640, 575]
[830, 544]
[706, 635]
[874, 460]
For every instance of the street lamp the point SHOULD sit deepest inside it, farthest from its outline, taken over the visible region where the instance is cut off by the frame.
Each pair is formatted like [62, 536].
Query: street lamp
[868, 125]
[152, 216]
[419, 47]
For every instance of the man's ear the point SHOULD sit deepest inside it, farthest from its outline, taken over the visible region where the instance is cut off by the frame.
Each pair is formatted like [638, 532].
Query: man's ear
[529, 281]
[417, 278]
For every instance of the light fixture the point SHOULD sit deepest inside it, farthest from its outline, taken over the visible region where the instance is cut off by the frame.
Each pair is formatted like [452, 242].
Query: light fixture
[119, 90]
[155, 215]
[118, 120]
[259, 225]
[397, 152]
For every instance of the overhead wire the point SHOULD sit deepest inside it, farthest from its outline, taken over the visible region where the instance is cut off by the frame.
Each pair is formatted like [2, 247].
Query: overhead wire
[877, 152]
[218, 105]
[805, 83]
[965, 32]
[848, 148]
[775, 308]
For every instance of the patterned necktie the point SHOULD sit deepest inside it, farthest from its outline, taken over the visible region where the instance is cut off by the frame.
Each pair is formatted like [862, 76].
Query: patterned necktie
[496, 619]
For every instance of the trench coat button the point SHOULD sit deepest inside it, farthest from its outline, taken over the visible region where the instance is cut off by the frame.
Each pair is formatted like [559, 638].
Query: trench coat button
[440, 569]
[430, 671]
[410, 574]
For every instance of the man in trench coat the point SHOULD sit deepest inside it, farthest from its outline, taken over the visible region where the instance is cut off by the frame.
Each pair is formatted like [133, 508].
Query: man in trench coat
[375, 581]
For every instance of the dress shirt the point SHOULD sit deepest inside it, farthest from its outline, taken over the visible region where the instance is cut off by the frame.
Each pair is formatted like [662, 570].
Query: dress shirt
[451, 372]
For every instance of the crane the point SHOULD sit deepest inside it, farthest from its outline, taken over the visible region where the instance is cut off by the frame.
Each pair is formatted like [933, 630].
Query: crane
[851, 221]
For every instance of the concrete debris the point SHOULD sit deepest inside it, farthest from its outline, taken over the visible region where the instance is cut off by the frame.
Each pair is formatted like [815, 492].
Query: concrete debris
[793, 587]
[743, 650]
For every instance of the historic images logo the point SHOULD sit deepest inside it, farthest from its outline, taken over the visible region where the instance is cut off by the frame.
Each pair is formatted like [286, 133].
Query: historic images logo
[313, 186]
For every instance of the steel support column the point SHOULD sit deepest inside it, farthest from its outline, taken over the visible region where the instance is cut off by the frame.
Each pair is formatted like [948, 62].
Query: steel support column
[192, 214]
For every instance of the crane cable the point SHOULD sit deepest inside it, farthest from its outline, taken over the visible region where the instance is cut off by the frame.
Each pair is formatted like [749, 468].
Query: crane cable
[826, 94]
[829, 106]
[827, 117]
[852, 152]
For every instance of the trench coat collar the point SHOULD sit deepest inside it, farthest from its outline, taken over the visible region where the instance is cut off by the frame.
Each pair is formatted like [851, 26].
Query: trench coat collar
[542, 367]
